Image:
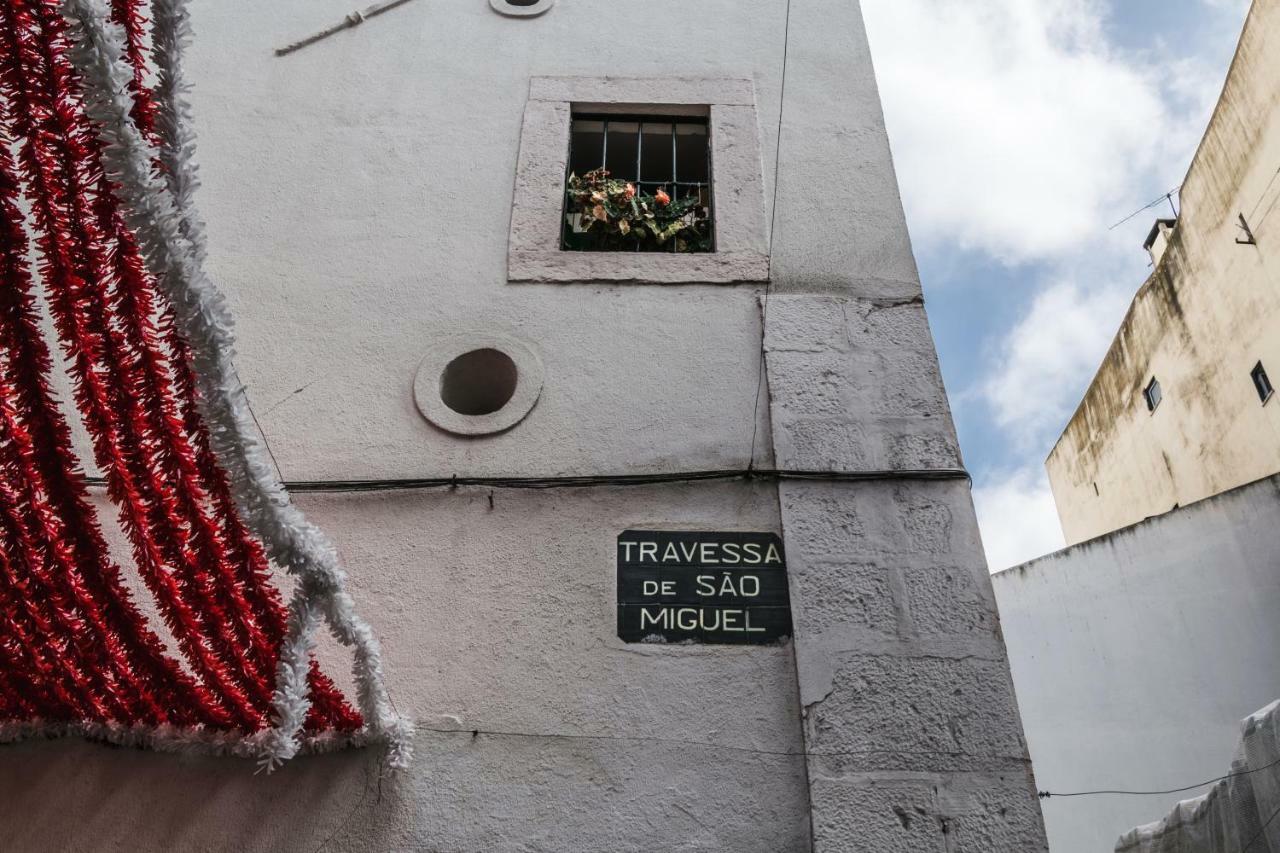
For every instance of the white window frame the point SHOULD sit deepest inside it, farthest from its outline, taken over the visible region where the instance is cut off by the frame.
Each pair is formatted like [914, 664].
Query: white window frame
[534, 252]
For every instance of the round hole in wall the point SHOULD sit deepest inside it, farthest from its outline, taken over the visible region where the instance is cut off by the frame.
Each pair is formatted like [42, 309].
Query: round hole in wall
[479, 382]
[521, 8]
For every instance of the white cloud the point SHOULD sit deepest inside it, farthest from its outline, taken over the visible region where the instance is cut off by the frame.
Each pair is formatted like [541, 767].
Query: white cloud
[1049, 357]
[1016, 130]
[1020, 134]
[1018, 518]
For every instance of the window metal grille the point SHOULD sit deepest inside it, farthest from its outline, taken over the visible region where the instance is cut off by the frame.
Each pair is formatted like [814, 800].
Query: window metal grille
[1152, 394]
[1261, 382]
[667, 153]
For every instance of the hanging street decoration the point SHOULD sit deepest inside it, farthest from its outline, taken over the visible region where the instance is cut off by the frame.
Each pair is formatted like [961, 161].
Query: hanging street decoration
[97, 183]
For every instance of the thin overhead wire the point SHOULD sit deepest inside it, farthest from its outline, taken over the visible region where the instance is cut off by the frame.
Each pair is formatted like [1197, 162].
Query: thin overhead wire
[1263, 197]
[1044, 795]
[244, 395]
[1271, 209]
[1168, 196]
[773, 223]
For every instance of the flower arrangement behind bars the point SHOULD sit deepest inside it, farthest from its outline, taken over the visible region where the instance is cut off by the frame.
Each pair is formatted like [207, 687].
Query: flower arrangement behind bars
[607, 214]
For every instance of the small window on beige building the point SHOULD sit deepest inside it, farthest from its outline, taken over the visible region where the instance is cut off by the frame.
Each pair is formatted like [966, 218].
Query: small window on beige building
[1262, 383]
[1152, 394]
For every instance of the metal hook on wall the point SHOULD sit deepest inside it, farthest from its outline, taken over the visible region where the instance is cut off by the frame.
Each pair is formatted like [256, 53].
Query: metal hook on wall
[354, 19]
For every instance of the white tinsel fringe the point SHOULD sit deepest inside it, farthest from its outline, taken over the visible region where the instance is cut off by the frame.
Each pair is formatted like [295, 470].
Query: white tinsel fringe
[170, 37]
[171, 237]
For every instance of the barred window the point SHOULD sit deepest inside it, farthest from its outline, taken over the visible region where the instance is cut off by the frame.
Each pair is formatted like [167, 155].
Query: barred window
[638, 183]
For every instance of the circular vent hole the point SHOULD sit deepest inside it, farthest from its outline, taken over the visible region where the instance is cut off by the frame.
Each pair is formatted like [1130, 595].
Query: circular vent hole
[523, 2]
[479, 382]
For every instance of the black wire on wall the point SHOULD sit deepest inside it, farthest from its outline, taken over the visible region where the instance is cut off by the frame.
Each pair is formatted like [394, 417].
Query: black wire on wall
[612, 480]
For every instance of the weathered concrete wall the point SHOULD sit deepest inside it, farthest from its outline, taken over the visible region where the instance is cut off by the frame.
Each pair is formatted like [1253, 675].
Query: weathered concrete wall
[359, 198]
[1208, 314]
[1136, 655]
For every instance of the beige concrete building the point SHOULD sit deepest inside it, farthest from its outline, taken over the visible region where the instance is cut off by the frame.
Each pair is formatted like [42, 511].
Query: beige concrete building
[1182, 406]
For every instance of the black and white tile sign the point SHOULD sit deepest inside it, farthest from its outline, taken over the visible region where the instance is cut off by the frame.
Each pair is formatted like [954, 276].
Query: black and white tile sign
[702, 587]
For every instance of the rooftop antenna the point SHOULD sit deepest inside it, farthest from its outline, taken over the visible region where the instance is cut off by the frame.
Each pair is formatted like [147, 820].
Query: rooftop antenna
[1166, 197]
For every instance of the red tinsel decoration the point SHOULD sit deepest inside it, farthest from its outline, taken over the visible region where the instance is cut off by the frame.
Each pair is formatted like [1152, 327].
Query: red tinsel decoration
[75, 648]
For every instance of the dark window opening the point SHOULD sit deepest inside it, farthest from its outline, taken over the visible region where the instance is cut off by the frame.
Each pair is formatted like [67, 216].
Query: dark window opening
[479, 382]
[1152, 394]
[1261, 382]
[638, 184]
[1095, 489]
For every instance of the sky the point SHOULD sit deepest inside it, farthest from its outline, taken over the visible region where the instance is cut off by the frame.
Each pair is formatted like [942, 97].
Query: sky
[1022, 130]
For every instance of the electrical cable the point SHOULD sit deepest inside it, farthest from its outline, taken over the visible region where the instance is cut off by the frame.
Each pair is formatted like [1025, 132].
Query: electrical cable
[773, 223]
[1263, 197]
[609, 480]
[1044, 795]
[346, 821]
[1255, 227]
[1166, 197]
[697, 744]
[244, 394]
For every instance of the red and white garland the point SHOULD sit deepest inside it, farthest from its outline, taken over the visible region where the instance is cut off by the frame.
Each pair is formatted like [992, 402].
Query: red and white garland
[147, 340]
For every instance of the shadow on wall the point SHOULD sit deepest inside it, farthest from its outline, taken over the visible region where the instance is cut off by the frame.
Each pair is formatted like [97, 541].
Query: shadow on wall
[464, 793]
[72, 795]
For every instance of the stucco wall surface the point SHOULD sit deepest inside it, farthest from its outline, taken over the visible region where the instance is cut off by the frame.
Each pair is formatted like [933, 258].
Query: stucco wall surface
[1136, 655]
[1208, 314]
[498, 621]
[359, 198]
[359, 194]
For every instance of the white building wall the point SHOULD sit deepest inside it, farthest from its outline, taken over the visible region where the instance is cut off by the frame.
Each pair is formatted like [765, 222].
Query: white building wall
[359, 197]
[1136, 656]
